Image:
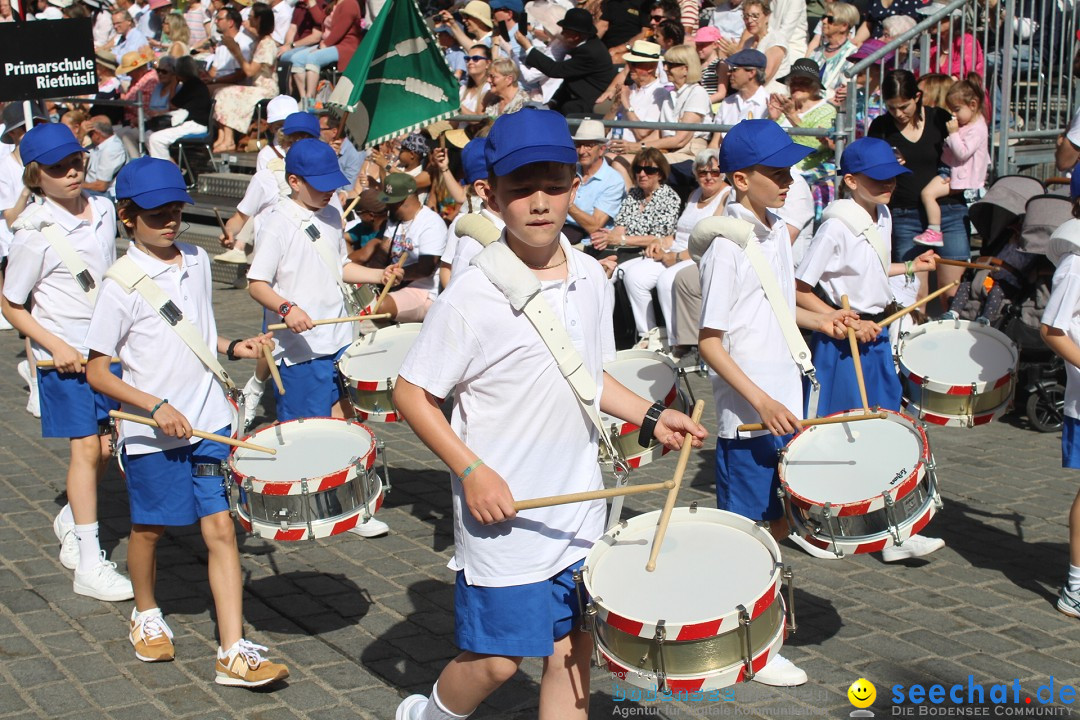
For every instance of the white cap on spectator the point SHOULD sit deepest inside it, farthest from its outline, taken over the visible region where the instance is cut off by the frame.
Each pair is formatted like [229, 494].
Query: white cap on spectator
[280, 108]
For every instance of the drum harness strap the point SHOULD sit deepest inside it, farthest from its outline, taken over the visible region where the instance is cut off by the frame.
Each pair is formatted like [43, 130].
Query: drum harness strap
[326, 254]
[859, 222]
[129, 276]
[741, 233]
[521, 287]
[36, 217]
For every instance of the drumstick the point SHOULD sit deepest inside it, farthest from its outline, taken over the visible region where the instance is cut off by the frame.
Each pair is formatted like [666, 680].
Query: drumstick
[591, 495]
[673, 493]
[754, 427]
[389, 283]
[197, 433]
[856, 358]
[916, 305]
[274, 372]
[217, 213]
[351, 206]
[52, 363]
[961, 263]
[332, 321]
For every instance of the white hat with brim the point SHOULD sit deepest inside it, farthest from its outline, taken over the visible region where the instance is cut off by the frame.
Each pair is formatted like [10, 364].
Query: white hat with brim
[590, 131]
[478, 10]
[643, 51]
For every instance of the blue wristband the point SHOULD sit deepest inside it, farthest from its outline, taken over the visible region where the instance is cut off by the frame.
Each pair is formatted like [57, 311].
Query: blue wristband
[465, 473]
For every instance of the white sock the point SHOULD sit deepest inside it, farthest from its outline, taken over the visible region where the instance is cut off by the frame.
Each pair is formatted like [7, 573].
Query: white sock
[254, 384]
[435, 710]
[89, 547]
[932, 226]
[1074, 579]
[135, 614]
[66, 517]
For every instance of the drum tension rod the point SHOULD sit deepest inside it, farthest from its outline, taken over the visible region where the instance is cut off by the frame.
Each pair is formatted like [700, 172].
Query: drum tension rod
[890, 517]
[744, 635]
[827, 516]
[661, 667]
[789, 580]
[364, 479]
[307, 508]
[380, 451]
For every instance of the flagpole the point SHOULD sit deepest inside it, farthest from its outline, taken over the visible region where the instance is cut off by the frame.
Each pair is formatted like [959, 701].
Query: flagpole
[341, 125]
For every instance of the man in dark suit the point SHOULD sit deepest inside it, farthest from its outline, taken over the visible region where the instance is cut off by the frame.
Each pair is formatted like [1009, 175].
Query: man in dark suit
[586, 71]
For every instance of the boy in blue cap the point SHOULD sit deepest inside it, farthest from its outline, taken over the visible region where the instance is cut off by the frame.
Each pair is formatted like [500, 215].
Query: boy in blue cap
[850, 255]
[514, 594]
[742, 338]
[297, 275]
[63, 245]
[172, 479]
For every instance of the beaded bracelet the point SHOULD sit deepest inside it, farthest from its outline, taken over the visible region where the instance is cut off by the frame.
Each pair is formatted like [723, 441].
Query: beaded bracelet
[465, 473]
[158, 406]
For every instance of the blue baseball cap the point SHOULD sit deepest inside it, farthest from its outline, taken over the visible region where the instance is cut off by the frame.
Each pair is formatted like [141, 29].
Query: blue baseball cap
[747, 58]
[317, 163]
[873, 157]
[304, 122]
[1074, 184]
[759, 142]
[151, 182]
[472, 160]
[515, 6]
[48, 144]
[530, 135]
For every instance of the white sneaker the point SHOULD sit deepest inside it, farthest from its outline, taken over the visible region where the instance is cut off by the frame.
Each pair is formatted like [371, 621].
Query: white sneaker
[24, 371]
[812, 550]
[33, 404]
[780, 672]
[411, 707]
[253, 392]
[235, 256]
[915, 546]
[103, 582]
[69, 544]
[371, 528]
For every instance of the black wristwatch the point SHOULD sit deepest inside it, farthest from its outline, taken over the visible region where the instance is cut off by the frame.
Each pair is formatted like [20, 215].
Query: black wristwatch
[284, 308]
[230, 353]
[648, 425]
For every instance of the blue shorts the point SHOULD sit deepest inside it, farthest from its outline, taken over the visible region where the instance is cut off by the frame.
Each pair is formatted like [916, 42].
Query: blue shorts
[70, 408]
[746, 478]
[311, 388]
[163, 488]
[1070, 443]
[909, 222]
[836, 375]
[518, 620]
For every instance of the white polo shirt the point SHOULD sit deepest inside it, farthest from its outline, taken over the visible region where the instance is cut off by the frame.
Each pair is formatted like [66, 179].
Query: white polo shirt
[11, 186]
[425, 234]
[223, 61]
[1063, 312]
[734, 302]
[798, 211]
[154, 357]
[285, 257]
[847, 264]
[734, 108]
[267, 186]
[647, 101]
[474, 346]
[34, 269]
[266, 154]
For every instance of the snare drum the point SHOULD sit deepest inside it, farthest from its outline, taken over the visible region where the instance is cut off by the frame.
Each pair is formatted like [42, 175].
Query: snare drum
[369, 367]
[859, 487]
[649, 375]
[957, 372]
[708, 614]
[320, 483]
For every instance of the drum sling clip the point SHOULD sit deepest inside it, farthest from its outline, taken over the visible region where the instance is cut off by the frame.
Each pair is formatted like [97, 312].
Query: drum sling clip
[890, 516]
[660, 667]
[85, 280]
[365, 492]
[744, 636]
[828, 523]
[789, 581]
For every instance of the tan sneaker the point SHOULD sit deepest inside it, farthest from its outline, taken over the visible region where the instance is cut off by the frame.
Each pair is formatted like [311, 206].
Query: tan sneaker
[151, 637]
[243, 666]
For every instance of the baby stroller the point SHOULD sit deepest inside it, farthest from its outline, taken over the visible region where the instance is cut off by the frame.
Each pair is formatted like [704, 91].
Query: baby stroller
[1016, 209]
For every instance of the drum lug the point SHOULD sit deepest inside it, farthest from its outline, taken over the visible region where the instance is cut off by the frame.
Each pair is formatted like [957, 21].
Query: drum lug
[380, 452]
[827, 516]
[693, 507]
[307, 509]
[247, 499]
[365, 493]
[744, 635]
[579, 590]
[789, 580]
[894, 528]
[660, 668]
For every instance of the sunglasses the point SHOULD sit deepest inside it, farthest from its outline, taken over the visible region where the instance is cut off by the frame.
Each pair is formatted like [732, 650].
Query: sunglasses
[476, 58]
[647, 169]
[658, 18]
[709, 173]
[829, 19]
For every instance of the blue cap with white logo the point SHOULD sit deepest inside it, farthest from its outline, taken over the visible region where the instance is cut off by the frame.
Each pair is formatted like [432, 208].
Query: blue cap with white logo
[873, 157]
[317, 163]
[530, 135]
[151, 182]
[759, 142]
[48, 144]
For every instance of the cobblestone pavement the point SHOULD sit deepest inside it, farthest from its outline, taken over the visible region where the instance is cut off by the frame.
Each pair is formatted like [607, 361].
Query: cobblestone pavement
[363, 622]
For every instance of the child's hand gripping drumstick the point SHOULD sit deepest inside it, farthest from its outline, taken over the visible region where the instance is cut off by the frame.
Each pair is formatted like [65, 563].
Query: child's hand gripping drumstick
[673, 493]
[197, 433]
[389, 283]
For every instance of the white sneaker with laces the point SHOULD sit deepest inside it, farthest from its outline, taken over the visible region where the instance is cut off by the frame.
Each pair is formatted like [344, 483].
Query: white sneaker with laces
[253, 392]
[1068, 602]
[235, 256]
[915, 546]
[371, 528]
[69, 544]
[780, 672]
[812, 550]
[33, 404]
[411, 707]
[103, 582]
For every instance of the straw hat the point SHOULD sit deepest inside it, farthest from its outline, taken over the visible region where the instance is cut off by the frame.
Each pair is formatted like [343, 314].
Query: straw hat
[479, 10]
[135, 59]
[643, 51]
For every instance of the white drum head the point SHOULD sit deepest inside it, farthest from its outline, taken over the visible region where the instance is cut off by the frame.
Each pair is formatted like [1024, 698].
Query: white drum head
[851, 462]
[379, 355]
[313, 448]
[707, 566]
[645, 373]
[957, 352]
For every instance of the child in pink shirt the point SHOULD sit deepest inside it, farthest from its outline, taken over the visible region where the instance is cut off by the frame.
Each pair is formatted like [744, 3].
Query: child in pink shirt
[966, 154]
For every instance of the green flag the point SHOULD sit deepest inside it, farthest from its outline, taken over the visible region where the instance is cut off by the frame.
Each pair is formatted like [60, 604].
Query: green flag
[398, 80]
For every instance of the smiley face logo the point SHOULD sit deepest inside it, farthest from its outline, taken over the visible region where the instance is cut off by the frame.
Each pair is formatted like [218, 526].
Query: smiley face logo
[862, 693]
